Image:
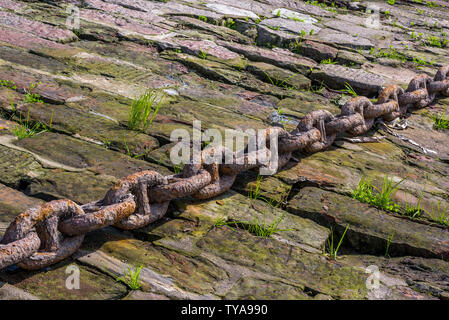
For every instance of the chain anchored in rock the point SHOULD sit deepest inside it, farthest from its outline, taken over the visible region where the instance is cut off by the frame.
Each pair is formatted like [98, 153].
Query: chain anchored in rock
[51, 232]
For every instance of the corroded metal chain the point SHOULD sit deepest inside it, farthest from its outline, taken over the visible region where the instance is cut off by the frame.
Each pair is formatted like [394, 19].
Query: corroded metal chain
[49, 233]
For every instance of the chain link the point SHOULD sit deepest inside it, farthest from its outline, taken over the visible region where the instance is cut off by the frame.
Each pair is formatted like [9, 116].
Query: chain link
[49, 233]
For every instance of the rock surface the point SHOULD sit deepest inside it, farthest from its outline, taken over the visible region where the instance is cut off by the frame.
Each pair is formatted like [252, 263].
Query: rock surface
[232, 65]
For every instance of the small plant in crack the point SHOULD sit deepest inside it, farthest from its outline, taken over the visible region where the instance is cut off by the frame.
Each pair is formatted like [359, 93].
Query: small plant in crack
[222, 221]
[280, 83]
[387, 250]
[146, 105]
[255, 194]
[439, 214]
[413, 210]
[328, 61]
[441, 121]
[202, 54]
[27, 129]
[317, 89]
[378, 197]
[31, 96]
[384, 195]
[297, 44]
[273, 27]
[177, 169]
[202, 18]
[131, 277]
[128, 151]
[230, 23]
[107, 143]
[332, 250]
[8, 84]
[261, 229]
[435, 41]
[256, 227]
[254, 191]
[350, 90]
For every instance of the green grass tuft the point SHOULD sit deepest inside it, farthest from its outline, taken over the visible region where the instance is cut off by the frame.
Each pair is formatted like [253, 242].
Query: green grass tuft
[413, 211]
[141, 108]
[31, 96]
[378, 197]
[333, 251]
[440, 215]
[389, 239]
[350, 90]
[131, 278]
[441, 121]
[255, 227]
[328, 61]
[27, 129]
[254, 192]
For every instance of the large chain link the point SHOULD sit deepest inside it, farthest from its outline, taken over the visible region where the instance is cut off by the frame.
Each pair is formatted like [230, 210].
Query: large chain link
[49, 233]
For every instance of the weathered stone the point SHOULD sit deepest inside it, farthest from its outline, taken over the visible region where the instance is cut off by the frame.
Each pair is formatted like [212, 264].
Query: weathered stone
[121, 24]
[317, 51]
[335, 76]
[231, 11]
[350, 58]
[308, 102]
[208, 47]
[27, 41]
[93, 284]
[293, 26]
[126, 10]
[431, 145]
[269, 187]
[370, 228]
[235, 207]
[165, 272]
[302, 7]
[92, 127]
[272, 37]
[140, 295]
[220, 32]
[392, 75]
[353, 29]
[282, 260]
[228, 74]
[252, 288]
[80, 154]
[345, 40]
[24, 58]
[427, 277]
[293, 15]
[9, 292]
[12, 203]
[124, 47]
[279, 77]
[36, 28]
[12, 5]
[277, 56]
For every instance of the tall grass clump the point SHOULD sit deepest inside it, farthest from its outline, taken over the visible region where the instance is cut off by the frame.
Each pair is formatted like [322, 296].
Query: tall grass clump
[131, 278]
[143, 110]
[333, 250]
[379, 197]
[256, 227]
[441, 121]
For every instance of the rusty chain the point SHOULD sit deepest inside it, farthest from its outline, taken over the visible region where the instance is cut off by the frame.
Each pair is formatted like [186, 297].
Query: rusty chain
[53, 231]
